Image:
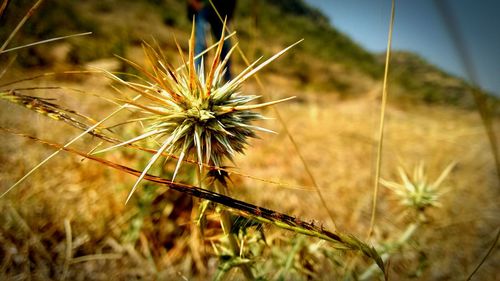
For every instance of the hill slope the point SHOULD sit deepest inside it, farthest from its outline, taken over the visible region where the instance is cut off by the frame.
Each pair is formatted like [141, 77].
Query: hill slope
[327, 61]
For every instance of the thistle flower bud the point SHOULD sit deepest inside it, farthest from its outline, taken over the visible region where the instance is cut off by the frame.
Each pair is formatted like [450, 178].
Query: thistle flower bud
[189, 112]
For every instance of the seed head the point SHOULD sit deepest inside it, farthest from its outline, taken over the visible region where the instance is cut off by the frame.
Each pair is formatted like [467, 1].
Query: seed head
[190, 111]
[415, 191]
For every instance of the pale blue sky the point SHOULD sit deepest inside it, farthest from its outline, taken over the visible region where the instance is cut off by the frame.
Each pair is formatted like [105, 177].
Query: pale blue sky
[420, 28]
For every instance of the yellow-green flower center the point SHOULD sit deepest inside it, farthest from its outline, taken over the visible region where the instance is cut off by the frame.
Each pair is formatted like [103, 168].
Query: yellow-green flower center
[199, 114]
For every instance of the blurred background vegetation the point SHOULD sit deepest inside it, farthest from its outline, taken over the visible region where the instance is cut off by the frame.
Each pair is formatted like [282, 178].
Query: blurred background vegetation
[327, 61]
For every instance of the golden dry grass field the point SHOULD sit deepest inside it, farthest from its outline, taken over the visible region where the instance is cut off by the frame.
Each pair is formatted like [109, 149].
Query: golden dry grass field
[337, 138]
[69, 220]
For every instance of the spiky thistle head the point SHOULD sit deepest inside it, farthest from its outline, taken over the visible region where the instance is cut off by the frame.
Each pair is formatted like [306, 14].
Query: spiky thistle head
[415, 191]
[194, 112]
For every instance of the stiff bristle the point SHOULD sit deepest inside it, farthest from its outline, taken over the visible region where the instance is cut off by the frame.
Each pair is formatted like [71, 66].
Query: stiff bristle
[189, 113]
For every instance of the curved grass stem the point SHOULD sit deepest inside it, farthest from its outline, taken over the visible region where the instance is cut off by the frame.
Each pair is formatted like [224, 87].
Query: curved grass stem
[451, 24]
[381, 127]
[287, 132]
[490, 250]
[90, 129]
[20, 24]
[338, 239]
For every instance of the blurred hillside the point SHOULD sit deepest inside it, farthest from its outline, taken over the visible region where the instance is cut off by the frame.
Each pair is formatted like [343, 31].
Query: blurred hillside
[327, 61]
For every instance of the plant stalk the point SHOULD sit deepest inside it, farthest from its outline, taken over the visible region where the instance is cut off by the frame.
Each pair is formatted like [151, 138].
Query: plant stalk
[382, 123]
[338, 239]
[227, 226]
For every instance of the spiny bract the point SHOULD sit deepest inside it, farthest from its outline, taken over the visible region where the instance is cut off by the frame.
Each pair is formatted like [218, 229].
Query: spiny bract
[187, 111]
[416, 192]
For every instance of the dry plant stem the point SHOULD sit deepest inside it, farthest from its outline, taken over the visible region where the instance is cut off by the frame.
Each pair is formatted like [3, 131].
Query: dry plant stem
[196, 235]
[405, 237]
[65, 146]
[490, 250]
[96, 257]
[194, 240]
[227, 225]
[382, 121]
[97, 71]
[54, 111]
[7, 66]
[89, 130]
[69, 248]
[45, 41]
[47, 74]
[3, 6]
[20, 24]
[479, 98]
[285, 127]
[225, 222]
[338, 239]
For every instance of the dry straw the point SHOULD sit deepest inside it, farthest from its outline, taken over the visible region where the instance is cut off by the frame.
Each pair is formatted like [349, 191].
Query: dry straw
[188, 112]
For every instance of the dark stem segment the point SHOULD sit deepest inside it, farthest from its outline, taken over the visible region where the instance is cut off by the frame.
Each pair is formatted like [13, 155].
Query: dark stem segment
[281, 220]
